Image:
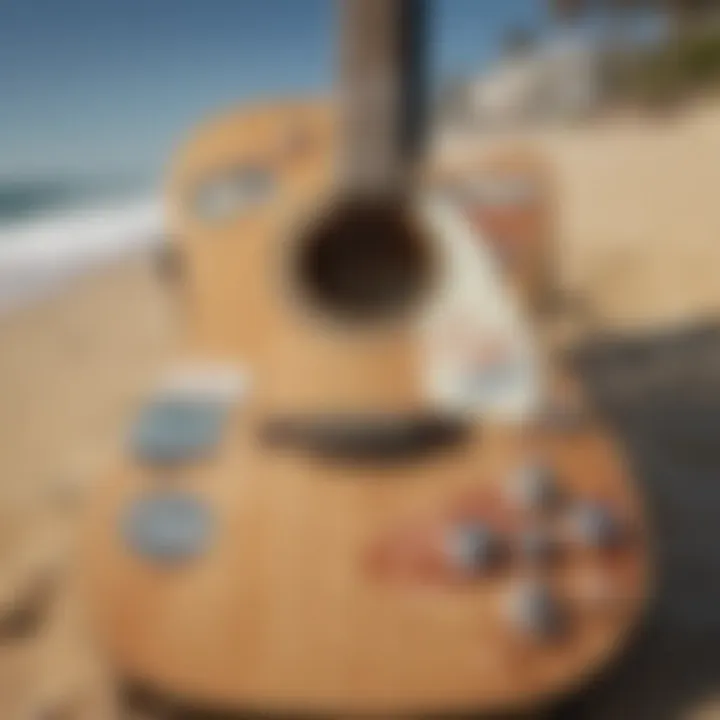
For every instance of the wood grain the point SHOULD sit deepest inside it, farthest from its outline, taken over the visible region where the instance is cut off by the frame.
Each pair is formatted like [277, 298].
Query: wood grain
[280, 614]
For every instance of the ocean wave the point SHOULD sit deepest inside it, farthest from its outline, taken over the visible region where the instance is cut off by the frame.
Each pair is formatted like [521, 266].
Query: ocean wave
[39, 255]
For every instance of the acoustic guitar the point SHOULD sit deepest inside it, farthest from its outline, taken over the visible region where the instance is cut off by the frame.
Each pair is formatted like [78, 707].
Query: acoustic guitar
[361, 489]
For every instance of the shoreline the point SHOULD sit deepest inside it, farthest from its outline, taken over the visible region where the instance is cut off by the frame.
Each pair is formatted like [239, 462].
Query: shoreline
[40, 257]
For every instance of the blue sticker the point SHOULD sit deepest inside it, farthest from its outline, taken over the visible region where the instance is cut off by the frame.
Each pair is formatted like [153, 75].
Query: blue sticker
[597, 527]
[168, 528]
[536, 612]
[475, 547]
[177, 430]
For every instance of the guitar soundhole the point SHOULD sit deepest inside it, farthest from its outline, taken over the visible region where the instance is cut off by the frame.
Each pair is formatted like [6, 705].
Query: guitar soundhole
[365, 261]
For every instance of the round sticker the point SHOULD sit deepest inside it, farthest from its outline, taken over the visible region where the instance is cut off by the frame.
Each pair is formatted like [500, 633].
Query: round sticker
[168, 528]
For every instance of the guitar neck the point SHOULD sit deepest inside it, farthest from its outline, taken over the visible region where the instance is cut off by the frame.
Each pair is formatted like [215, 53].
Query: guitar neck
[383, 88]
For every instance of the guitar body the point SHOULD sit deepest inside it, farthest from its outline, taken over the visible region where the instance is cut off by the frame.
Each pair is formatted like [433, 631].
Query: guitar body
[325, 576]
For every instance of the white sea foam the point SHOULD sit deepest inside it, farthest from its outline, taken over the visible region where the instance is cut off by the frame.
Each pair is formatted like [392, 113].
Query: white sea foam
[38, 256]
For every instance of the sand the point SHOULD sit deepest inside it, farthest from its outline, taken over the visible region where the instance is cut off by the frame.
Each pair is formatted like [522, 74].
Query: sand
[639, 238]
[71, 369]
[638, 214]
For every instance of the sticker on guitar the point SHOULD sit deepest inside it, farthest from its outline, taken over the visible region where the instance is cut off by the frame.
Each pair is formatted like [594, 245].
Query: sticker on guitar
[478, 354]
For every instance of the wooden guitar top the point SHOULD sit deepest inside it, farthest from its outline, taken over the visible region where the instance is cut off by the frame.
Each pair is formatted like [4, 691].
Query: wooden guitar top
[309, 583]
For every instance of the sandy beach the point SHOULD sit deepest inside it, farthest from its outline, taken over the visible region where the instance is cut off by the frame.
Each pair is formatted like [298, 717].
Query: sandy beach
[638, 237]
[638, 217]
[72, 366]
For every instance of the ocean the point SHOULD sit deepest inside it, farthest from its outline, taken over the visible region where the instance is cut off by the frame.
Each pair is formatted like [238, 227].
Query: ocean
[54, 230]
[25, 199]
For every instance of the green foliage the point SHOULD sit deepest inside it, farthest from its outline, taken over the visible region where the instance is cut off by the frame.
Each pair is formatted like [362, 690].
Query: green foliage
[699, 59]
[686, 66]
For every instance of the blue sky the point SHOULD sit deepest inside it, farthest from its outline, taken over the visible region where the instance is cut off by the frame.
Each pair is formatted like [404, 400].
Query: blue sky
[108, 86]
